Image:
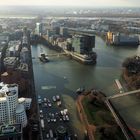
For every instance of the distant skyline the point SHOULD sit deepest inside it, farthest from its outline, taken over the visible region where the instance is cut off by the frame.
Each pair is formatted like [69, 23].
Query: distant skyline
[94, 3]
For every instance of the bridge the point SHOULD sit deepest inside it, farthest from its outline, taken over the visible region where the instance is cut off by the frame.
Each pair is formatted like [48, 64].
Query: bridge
[119, 122]
[51, 55]
[124, 94]
[56, 54]
[81, 31]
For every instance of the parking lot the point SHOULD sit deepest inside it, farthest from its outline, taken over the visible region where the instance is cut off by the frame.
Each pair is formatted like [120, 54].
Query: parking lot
[53, 117]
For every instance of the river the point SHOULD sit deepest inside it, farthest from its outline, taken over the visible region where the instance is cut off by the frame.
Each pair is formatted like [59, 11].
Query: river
[63, 76]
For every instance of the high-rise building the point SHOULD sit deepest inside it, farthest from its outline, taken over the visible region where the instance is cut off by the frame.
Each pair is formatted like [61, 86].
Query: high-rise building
[8, 102]
[63, 31]
[11, 110]
[83, 44]
[38, 28]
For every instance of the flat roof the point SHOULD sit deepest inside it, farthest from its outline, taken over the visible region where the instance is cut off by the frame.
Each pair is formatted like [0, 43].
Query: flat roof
[18, 128]
[20, 108]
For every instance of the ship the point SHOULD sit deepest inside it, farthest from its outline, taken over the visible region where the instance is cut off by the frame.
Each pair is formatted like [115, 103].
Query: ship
[43, 58]
[80, 90]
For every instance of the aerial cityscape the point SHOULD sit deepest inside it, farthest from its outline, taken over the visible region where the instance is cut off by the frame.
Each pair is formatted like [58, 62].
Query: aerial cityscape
[69, 70]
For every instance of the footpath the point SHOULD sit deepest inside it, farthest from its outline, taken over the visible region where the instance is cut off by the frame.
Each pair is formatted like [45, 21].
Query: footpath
[89, 129]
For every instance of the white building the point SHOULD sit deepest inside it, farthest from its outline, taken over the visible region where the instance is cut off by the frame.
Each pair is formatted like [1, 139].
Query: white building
[10, 111]
[3, 109]
[38, 28]
[21, 115]
[26, 102]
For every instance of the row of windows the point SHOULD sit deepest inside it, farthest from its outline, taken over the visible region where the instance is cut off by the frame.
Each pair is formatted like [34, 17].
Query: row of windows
[3, 112]
[3, 117]
[3, 103]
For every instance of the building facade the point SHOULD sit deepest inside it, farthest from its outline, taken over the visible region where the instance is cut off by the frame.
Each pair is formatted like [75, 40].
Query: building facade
[10, 110]
[83, 44]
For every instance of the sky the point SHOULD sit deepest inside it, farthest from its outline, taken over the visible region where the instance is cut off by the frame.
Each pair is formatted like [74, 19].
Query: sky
[94, 3]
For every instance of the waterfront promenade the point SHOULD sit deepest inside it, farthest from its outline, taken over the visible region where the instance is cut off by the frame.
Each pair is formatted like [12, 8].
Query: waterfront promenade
[89, 129]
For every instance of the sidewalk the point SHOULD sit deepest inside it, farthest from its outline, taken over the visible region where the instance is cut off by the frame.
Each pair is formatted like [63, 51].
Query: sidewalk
[90, 129]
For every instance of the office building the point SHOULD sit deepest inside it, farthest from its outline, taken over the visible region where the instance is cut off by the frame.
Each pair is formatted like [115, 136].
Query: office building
[39, 28]
[11, 110]
[83, 44]
[63, 31]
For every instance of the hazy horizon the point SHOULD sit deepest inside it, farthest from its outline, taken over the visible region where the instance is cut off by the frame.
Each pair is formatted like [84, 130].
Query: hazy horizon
[79, 3]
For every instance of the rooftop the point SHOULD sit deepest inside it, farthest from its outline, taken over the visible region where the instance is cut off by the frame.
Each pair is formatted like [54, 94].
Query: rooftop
[7, 90]
[10, 60]
[17, 128]
[23, 67]
[20, 108]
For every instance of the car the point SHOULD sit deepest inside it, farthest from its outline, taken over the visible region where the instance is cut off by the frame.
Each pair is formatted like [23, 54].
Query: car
[54, 120]
[41, 115]
[64, 118]
[62, 112]
[40, 111]
[49, 104]
[59, 103]
[48, 100]
[60, 119]
[57, 97]
[39, 101]
[45, 99]
[67, 118]
[48, 120]
[52, 115]
[39, 96]
[54, 98]
[65, 111]
[56, 113]
[47, 135]
[45, 104]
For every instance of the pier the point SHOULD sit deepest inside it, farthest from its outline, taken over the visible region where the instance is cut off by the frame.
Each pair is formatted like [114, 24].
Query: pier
[119, 85]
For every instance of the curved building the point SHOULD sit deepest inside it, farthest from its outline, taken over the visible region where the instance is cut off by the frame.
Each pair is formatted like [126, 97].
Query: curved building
[12, 100]
[8, 102]
[21, 115]
[3, 109]
[12, 109]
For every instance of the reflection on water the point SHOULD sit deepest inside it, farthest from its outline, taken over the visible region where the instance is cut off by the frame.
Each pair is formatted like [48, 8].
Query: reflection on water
[63, 76]
[47, 87]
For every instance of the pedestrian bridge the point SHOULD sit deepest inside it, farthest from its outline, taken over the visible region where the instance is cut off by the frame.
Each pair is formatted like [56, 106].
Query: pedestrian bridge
[56, 54]
[123, 94]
